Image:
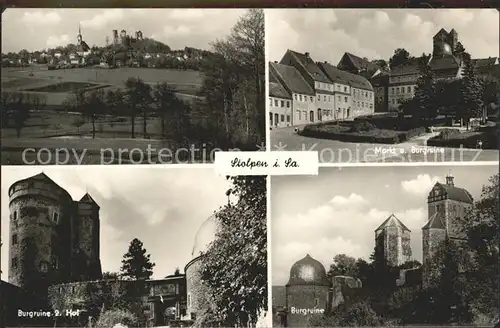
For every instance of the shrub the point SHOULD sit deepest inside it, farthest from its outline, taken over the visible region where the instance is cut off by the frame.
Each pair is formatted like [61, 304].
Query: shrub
[448, 134]
[362, 126]
[110, 318]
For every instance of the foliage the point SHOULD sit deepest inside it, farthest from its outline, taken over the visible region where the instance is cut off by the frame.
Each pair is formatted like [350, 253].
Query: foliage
[136, 264]
[401, 57]
[139, 98]
[425, 100]
[472, 92]
[357, 315]
[110, 275]
[235, 266]
[16, 109]
[343, 265]
[362, 126]
[110, 318]
[171, 109]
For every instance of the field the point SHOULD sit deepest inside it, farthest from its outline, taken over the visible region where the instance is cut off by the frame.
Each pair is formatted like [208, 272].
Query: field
[55, 127]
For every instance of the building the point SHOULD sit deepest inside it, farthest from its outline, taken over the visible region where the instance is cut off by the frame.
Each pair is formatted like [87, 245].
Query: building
[446, 63]
[393, 238]
[380, 84]
[302, 94]
[359, 66]
[314, 76]
[447, 205]
[54, 255]
[354, 95]
[280, 104]
[402, 84]
[82, 50]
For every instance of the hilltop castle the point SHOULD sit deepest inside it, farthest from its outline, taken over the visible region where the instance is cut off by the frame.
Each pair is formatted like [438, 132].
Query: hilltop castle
[447, 205]
[54, 255]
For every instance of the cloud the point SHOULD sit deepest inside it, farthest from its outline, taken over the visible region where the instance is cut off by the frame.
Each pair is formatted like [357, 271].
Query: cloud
[56, 41]
[342, 225]
[419, 186]
[104, 18]
[39, 18]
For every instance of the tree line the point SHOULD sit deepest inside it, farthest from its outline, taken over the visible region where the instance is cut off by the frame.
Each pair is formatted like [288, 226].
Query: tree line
[465, 292]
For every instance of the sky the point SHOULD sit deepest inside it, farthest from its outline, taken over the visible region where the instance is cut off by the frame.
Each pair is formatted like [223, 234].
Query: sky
[338, 211]
[49, 28]
[152, 204]
[375, 33]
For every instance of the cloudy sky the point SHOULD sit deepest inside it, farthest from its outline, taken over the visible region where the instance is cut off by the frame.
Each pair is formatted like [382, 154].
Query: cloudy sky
[338, 211]
[150, 203]
[375, 33]
[37, 29]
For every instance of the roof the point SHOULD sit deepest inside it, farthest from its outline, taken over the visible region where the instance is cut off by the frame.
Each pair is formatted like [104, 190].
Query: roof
[292, 79]
[435, 222]
[308, 271]
[311, 67]
[444, 63]
[42, 176]
[361, 64]
[276, 89]
[484, 62]
[337, 75]
[441, 32]
[88, 199]
[392, 221]
[455, 193]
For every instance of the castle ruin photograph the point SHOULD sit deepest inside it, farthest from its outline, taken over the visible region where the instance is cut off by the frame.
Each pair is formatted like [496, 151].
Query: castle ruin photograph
[88, 252]
[385, 246]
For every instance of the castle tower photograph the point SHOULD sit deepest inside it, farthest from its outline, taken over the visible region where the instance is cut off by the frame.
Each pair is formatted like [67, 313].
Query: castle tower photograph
[344, 80]
[88, 247]
[384, 246]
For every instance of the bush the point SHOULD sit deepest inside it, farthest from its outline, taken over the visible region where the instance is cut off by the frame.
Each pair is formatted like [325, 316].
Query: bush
[448, 134]
[362, 126]
[112, 317]
[358, 315]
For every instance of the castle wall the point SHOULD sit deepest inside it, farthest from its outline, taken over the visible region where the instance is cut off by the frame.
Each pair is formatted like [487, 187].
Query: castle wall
[306, 297]
[37, 212]
[195, 289]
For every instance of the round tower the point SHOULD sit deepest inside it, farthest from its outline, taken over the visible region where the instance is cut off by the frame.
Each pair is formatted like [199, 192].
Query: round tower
[194, 285]
[37, 208]
[307, 292]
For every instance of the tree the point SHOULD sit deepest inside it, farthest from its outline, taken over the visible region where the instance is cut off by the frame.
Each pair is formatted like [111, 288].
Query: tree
[238, 289]
[472, 92]
[92, 106]
[343, 265]
[136, 264]
[401, 57]
[139, 97]
[177, 271]
[166, 102]
[425, 99]
[384, 66]
[459, 50]
[110, 275]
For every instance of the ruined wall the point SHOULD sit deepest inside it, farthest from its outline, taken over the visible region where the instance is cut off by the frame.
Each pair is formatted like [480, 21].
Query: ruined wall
[306, 297]
[432, 239]
[37, 211]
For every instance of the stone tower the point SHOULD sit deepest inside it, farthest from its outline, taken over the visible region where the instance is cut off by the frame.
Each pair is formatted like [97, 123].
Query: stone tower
[447, 205]
[53, 239]
[308, 289]
[453, 39]
[394, 238]
[40, 215]
[441, 45]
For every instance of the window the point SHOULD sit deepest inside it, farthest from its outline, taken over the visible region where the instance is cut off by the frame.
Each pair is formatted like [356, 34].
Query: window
[339, 98]
[408, 89]
[345, 99]
[345, 89]
[56, 217]
[366, 94]
[319, 97]
[288, 103]
[311, 99]
[394, 101]
[295, 95]
[44, 267]
[270, 101]
[282, 103]
[189, 300]
[282, 118]
[330, 98]
[288, 119]
[13, 263]
[392, 90]
[316, 302]
[14, 239]
[15, 215]
[402, 89]
[397, 90]
[324, 98]
[275, 103]
[300, 97]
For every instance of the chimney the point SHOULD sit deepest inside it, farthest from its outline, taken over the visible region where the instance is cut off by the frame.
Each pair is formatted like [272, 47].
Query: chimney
[275, 61]
[307, 54]
[449, 180]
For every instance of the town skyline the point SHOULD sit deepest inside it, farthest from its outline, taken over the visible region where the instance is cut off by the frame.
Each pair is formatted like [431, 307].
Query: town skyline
[358, 31]
[323, 223]
[50, 28]
[160, 216]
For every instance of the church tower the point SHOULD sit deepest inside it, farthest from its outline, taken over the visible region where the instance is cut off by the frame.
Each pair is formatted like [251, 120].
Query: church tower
[447, 205]
[392, 238]
[79, 37]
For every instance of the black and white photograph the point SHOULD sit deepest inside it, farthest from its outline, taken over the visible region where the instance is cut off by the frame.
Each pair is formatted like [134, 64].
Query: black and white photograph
[131, 86]
[386, 246]
[162, 248]
[384, 85]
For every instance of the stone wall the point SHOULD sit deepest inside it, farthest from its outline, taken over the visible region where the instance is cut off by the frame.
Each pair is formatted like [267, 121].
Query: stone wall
[194, 288]
[306, 297]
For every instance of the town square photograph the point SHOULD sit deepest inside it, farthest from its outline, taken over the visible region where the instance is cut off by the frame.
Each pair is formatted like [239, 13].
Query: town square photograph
[386, 246]
[384, 85]
[162, 81]
[109, 246]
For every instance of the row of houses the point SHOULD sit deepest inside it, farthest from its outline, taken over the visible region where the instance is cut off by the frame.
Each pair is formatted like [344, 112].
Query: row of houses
[303, 91]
